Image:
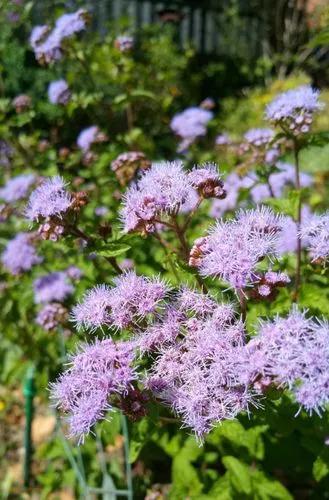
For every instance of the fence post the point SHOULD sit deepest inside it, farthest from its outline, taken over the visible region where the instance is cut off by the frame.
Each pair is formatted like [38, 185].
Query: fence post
[29, 392]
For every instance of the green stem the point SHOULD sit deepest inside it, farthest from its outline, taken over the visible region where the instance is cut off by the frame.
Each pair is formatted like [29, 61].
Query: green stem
[29, 392]
[298, 221]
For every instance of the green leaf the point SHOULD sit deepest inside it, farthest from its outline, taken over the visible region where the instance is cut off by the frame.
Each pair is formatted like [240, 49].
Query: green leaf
[321, 466]
[239, 473]
[113, 249]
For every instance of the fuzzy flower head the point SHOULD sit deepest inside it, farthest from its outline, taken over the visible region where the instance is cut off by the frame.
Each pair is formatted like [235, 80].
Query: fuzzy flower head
[190, 124]
[316, 233]
[20, 254]
[259, 136]
[223, 140]
[124, 43]
[233, 249]
[294, 109]
[130, 299]
[88, 137]
[38, 35]
[59, 92]
[49, 199]
[17, 188]
[164, 188]
[51, 316]
[98, 371]
[295, 354]
[207, 181]
[52, 287]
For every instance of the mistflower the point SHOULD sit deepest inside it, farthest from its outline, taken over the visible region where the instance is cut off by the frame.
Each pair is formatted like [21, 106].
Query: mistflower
[295, 354]
[316, 233]
[38, 35]
[17, 187]
[164, 188]
[49, 199]
[127, 164]
[20, 254]
[162, 332]
[223, 140]
[69, 24]
[259, 136]
[94, 310]
[22, 103]
[294, 109]
[130, 299]
[51, 316]
[233, 184]
[201, 372]
[52, 287]
[124, 43]
[232, 249]
[97, 372]
[59, 92]
[207, 181]
[88, 137]
[190, 124]
[74, 273]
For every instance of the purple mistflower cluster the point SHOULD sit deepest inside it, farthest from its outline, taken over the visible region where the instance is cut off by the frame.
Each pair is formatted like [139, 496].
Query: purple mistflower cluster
[47, 42]
[20, 254]
[49, 199]
[223, 140]
[51, 316]
[124, 43]
[294, 353]
[190, 124]
[199, 348]
[232, 249]
[97, 372]
[52, 287]
[294, 109]
[88, 137]
[165, 189]
[17, 188]
[74, 273]
[316, 233]
[131, 299]
[59, 92]
[259, 136]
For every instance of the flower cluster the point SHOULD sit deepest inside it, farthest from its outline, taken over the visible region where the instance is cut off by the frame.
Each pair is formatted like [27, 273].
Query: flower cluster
[20, 254]
[124, 43]
[97, 372]
[259, 136]
[294, 353]
[233, 249]
[190, 124]
[127, 164]
[316, 233]
[268, 284]
[17, 187]
[131, 299]
[49, 199]
[165, 189]
[90, 136]
[294, 109]
[59, 92]
[47, 43]
[51, 316]
[52, 287]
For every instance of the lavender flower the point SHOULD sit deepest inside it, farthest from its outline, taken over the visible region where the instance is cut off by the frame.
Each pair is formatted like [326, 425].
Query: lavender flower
[74, 273]
[294, 353]
[316, 233]
[59, 92]
[294, 109]
[207, 181]
[132, 298]
[70, 24]
[124, 43]
[223, 140]
[20, 254]
[17, 187]
[259, 136]
[51, 316]
[98, 371]
[49, 199]
[87, 137]
[190, 124]
[232, 249]
[233, 184]
[38, 35]
[52, 287]
[164, 188]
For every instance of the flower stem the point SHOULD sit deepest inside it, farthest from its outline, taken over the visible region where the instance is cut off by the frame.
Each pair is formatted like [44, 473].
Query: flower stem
[243, 304]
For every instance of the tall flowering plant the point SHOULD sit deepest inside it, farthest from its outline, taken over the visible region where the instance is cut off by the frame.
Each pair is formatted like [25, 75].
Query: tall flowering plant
[172, 319]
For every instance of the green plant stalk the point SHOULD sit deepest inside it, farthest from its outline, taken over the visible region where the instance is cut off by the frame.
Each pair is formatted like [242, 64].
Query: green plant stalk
[298, 222]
